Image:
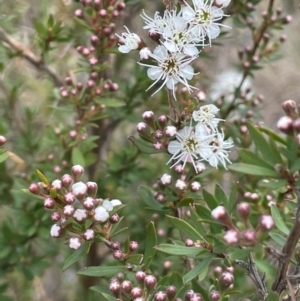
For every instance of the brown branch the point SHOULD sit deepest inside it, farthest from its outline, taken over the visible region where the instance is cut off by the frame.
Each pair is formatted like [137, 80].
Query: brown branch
[27, 54]
[279, 283]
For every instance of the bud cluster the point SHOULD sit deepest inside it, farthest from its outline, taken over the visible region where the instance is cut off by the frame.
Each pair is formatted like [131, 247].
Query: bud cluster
[78, 214]
[248, 236]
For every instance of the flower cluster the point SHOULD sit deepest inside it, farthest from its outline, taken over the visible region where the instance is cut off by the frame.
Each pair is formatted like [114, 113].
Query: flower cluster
[77, 213]
[178, 34]
[202, 141]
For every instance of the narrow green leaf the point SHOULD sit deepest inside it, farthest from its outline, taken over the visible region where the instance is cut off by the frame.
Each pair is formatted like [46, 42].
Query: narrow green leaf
[34, 196]
[232, 198]
[221, 196]
[101, 271]
[76, 255]
[135, 258]
[185, 228]
[249, 157]
[210, 200]
[3, 155]
[42, 177]
[199, 271]
[176, 280]
[104, 292]
[273, 184]
[77, 157]
[179, 250]
[295, 166]
[147, 197]
[280, 224]
[253, 170]
[151, 242]
[111, 102]
[239, 254]
[279, 239]
[144, 146]
[198, 225]
[262, 145]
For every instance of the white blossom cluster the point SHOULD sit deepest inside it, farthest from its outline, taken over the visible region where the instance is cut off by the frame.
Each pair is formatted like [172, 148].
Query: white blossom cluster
[179, 35]
[202, 142]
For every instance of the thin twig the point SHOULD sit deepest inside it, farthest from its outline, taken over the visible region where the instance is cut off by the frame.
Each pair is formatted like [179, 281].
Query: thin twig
[37, 62]
[287, 252]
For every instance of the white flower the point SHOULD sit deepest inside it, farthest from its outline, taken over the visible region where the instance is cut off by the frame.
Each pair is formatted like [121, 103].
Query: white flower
[158, 23]
[202, 18]
[178, 38]
[80, 215]
[188, 147]
[219, 150]
[116, 202]
[224, 3]
[101, 215]
[55, 231]
[131, 41]
[171, 69]
[74, 243]
[206, 116]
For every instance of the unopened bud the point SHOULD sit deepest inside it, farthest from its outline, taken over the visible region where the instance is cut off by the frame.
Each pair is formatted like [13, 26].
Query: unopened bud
[180, 185]
[89, 234]
[160, 296]
[220, 214]
[243, 210]
[266, 222]
[118, 254]
[136, 292]
[126, 286]
[166, 179]
[225, 280]
[150, 282]
[285, 124]
[74, 243]
[140, 276]
[133, 246]
[115, 288]
[55, 231]
[77, 171]
[214, 295]
[290, 108]
[92, 188]
[34, 188]
[2, 140]
[49, 203]
[231, 237]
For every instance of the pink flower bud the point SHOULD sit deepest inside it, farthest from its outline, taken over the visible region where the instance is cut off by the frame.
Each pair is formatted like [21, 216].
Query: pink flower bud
[66, 181]
[178, 169]
[196, 297]
[69, 198]
[220, 214]
[171, 292]
[74, 243]
[88, 203]
[231, 237]
[170, 131]
[243, 210]
[115, 245]
[55, 231]
[160, 296]
[249, 236]
[114, 218]
[49, 203]
[195, 186]
[266, 222]
[142, 127]
[69, 210]
[34, 188]
[115, 288]
[200, 167]
[92, 188]
[285, 124]
[55, 216]
[180, 185]
[77, 171]
[214, 295]
[126, 286]
[136, 292]
[140, 276]
[225, 280]
[148, 115]
[150, 282]
[189, 243]
[166, 179]
[57, 184]
[157, 145]
[188, 295]
[89, 234]
[133, 246]
[2, 140]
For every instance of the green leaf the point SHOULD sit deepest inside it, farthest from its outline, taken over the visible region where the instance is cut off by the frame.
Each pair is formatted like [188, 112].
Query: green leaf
[76, 255]
[232, 198]
[104, 292]
[280, 224]
[186, 202]
[102, 271]
[34, 196]
[185, 228]
[135, 259]
[295, 166]
[77, 157]
[179, 250]
[251, 158]
[176, 280]
[273, 184]
[3, 155]
[111, 102]
[268, 153]
[147, 197]
[198, 225]
[42, 177]
[151, 242]
[210, 200]
[279, 239]
[253, 170]
[239, 254]
[221, 196]
[144, 146]
[199, 271]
